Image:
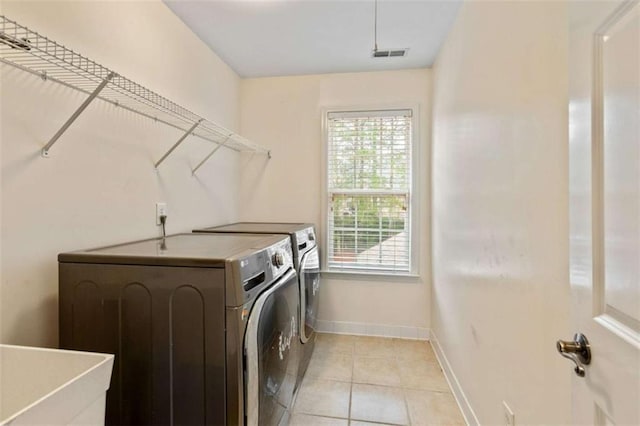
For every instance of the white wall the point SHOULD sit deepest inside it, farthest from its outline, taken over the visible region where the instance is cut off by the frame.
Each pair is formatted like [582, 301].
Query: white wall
[286, 113]
[99, 186]
[500, 208]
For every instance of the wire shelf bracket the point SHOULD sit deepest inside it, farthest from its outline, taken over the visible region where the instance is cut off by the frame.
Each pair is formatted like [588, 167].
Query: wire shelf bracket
[210, 154]
[75, 115]
[196, 124]
[34, 53]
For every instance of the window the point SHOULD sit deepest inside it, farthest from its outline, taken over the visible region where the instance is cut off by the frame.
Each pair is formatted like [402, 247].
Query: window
[369, 181]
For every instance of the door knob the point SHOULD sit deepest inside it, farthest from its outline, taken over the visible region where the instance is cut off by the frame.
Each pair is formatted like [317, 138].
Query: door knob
[577, 351]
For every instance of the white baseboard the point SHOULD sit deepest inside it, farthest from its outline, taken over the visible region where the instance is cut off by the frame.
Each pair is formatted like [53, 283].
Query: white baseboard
[456, 389]
[378, 330]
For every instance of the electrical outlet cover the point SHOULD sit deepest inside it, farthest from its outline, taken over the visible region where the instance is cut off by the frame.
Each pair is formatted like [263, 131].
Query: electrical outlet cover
[161, 210]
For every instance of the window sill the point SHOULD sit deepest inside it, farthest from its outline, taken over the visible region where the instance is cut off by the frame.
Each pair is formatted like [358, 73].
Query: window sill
[371, 276]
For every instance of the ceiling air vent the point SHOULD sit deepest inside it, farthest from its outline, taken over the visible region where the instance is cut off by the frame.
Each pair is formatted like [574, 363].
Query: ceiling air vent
[390, 53]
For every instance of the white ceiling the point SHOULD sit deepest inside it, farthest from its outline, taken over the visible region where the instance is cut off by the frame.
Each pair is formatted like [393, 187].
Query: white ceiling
[262, 38]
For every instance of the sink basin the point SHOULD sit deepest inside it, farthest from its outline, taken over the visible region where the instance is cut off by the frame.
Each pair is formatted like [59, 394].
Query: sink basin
[54, 387]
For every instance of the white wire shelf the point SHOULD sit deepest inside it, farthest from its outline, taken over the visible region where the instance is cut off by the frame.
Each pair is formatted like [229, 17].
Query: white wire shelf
[39, 55]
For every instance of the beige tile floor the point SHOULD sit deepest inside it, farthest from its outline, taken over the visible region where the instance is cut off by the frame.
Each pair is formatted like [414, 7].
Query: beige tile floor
[359, 381]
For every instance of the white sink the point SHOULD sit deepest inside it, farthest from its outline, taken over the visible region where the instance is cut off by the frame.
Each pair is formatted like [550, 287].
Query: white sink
[52, 387]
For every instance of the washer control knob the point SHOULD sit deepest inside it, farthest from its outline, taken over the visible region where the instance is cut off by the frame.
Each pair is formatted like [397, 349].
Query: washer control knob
[311, 236]
[278, 259]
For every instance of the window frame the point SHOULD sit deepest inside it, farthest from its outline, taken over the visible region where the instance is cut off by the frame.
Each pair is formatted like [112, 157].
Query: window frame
[414, 194]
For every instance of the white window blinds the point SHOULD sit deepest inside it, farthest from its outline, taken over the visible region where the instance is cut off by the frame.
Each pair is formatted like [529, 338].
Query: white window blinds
[369, 183]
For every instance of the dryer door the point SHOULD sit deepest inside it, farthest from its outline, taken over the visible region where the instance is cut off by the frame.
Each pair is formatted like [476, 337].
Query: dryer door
[272, 346]
[309, 289]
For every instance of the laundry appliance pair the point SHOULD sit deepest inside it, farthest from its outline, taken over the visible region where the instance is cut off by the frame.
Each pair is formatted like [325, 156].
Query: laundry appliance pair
[306, 260]
[206, 327]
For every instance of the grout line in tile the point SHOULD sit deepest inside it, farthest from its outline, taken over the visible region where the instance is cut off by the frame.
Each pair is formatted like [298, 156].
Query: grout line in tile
[359, 382]
[319, 415]
[323, 417]
[376, 423]
[384, 386]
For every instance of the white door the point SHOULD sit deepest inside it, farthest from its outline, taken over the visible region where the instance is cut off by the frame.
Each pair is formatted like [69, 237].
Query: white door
[604, 134]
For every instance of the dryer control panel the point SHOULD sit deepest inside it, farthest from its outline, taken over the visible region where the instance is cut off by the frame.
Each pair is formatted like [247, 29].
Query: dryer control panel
[259, 270]
[305, 240]
[280, 258]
